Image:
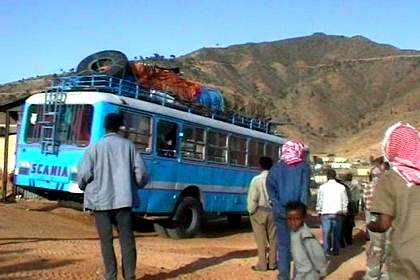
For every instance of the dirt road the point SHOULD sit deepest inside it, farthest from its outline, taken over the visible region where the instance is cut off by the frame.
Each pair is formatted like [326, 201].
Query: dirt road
[39, 240]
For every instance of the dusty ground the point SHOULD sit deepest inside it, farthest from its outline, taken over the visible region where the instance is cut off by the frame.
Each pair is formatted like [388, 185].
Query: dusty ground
[39, 240]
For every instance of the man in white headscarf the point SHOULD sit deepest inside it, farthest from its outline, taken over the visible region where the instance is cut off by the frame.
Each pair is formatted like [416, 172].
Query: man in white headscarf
[396, 200]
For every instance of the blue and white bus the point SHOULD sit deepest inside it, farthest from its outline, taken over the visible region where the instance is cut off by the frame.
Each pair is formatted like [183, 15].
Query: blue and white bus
[198, 163]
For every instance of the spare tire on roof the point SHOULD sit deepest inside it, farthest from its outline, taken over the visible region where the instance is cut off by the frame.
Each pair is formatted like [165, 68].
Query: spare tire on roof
[109, 62]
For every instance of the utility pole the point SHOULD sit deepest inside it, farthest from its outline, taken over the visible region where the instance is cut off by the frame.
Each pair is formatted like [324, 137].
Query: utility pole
[6, 155]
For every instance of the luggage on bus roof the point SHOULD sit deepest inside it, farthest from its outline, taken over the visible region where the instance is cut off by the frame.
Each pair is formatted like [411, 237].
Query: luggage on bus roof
[211, 98]
[152, 77]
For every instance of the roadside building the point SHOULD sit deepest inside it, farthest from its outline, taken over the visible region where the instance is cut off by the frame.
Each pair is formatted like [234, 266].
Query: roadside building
[340, 159]
[320, 179]
[363, 172]
[341, 165]
[9, 123]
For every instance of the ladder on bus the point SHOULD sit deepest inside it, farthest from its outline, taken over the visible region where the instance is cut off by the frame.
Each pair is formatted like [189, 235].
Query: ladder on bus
[55, 97]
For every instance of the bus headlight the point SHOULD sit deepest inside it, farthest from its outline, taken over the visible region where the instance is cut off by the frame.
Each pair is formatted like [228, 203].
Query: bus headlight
[73, 174]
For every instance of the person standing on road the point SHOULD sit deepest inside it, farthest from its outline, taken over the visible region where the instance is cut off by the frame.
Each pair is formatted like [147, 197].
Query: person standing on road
[288, 180]
[308, 256]
[348, 222]
[331, 206]
[262, 219]
[396, 201]
[109, 174]
[377, 251]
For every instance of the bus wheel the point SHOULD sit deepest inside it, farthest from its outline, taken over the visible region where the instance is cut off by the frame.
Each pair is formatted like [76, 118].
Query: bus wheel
[234, 220]
[187, 219]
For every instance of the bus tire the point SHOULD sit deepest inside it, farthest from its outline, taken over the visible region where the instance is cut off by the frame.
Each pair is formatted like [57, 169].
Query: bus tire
[116, 62]
[187, 219]
[234, 220]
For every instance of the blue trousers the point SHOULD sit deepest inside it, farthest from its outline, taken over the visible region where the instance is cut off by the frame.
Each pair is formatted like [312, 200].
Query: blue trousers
[331, 226]
[284, 257]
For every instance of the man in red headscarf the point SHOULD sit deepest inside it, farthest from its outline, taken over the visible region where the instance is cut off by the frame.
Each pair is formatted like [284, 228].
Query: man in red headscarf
[397, 200]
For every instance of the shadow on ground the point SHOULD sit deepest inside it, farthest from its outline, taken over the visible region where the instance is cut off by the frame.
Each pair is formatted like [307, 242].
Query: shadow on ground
[214, 227]
[200, 264]
[358, 275]
[18, 240]
[219, 227]
[38, 264]
[7, 255]
[348, 253]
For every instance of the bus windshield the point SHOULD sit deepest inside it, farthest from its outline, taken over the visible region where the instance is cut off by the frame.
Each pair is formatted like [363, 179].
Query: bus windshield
[74, 126]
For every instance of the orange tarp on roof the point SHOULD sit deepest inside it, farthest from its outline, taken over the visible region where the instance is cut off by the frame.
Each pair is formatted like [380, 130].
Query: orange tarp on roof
[166, 80]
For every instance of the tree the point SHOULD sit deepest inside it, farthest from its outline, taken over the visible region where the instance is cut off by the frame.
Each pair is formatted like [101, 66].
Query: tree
[172, 56]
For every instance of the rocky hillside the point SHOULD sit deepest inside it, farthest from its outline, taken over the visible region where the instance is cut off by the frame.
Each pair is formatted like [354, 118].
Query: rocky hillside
[336, 93]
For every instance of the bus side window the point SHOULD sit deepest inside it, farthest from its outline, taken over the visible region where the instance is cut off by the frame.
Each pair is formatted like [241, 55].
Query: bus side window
[272, 150]
[166, 138]
[138, 128]
[192, 146]
[216, 147]
[255, 151]
[237, 150]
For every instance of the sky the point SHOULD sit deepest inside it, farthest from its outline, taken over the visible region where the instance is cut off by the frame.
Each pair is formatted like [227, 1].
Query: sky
[47, 36]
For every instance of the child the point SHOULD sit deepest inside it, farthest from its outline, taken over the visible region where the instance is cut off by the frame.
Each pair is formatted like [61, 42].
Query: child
[308, 256]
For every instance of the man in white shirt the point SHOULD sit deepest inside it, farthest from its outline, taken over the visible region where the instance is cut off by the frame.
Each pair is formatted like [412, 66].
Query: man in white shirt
[331, 205]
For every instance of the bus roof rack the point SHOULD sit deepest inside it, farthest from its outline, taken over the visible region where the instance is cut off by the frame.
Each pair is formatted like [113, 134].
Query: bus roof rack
[128, 88]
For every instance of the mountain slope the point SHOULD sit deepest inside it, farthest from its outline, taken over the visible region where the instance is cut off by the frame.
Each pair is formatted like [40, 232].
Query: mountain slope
[328, 87]
[334, 92]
